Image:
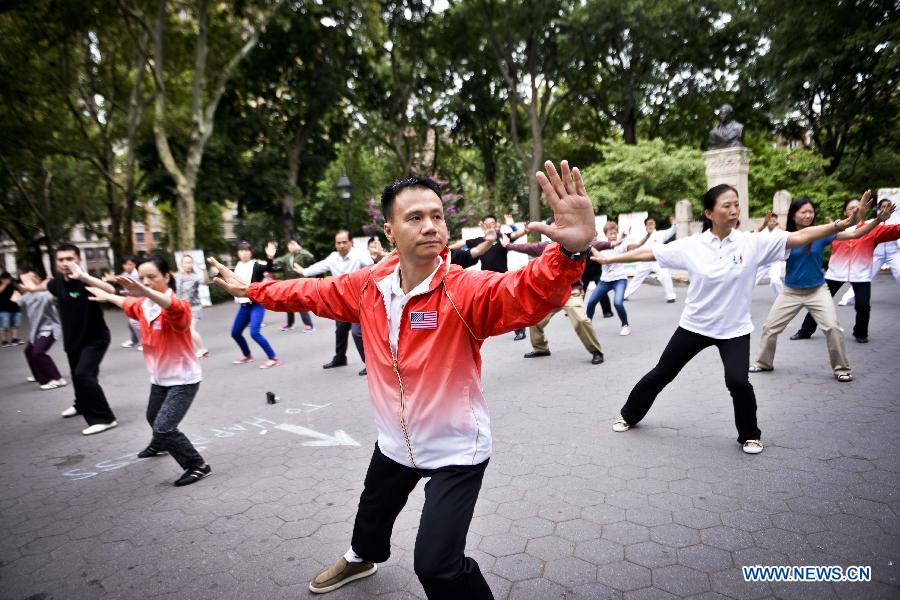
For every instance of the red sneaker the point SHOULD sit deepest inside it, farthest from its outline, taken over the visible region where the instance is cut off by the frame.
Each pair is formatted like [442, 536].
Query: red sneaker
[243, 359]
[272, 362]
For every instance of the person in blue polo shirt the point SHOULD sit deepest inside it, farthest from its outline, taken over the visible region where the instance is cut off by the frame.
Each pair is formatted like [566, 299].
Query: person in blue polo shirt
[804, 286]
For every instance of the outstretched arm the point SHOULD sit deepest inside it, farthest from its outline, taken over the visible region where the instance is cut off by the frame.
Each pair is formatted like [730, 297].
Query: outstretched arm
[332, 297]
[810, 234]
[75, 272]
[883, 215]
[637, 255]
[101, 295]
[137, 289]
[633, 246]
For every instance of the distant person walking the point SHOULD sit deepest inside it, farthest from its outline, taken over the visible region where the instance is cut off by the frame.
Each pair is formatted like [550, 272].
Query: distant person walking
[187, 287]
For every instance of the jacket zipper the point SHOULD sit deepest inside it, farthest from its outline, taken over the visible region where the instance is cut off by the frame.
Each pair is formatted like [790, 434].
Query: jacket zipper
[396, 369]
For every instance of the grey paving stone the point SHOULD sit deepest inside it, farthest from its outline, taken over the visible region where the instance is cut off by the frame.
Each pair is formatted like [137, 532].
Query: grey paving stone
[680, 580]
[675, 535]
[704, 558]
[650, 554]
[726, 538]
[518, 567]
[600, 552]
[550, 547]
[624, 576]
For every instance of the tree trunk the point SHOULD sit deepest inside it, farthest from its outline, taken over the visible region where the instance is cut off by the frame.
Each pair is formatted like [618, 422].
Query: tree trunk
[537, 160]
[629, 125]
[186, 208]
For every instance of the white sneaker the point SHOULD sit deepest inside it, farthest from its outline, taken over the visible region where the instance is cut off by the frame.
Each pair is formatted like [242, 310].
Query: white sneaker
[620, 424]
[127, 344]
[69, 412]
[753, 447]
[626, 330]
[140, 348]
[98, 428]
[31, 379]
[61, 382]
[51, 385]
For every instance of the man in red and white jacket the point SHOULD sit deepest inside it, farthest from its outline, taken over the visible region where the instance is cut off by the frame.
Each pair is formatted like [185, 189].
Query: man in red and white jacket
[425, 375]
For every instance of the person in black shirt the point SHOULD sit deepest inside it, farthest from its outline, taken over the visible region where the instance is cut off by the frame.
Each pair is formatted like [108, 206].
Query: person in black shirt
[495, 259]
[85, 337]
[9, 312]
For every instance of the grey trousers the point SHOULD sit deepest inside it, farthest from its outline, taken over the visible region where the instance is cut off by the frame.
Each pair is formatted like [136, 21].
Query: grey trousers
[165, 410]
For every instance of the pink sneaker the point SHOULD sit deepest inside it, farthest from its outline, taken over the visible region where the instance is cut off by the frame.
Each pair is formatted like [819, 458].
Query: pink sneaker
[243, 359]
[272, 362]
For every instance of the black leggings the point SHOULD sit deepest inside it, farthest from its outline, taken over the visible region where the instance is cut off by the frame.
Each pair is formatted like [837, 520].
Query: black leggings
[863, 291]
[439, 558]
[684, 346]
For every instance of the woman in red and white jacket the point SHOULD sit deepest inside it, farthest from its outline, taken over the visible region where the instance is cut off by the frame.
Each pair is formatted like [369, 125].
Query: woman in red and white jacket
[851, 262]
[175, 375]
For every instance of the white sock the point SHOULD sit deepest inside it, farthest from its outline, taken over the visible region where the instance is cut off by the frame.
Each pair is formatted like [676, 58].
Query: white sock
[352, 557]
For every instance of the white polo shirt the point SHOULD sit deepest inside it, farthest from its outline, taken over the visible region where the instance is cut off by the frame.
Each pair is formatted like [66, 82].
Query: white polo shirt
[722, 277]
[335, 264]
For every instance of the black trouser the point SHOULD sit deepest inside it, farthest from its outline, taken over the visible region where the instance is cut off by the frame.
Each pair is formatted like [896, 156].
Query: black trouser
[84, 363]
[304, 316]
[165, 410]
[863, 291]
[341, 330]
[684, 346]
[439, 558]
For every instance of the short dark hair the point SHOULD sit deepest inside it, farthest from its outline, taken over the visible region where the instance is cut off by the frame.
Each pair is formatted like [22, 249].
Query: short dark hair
[128, 257]
[372, 239]
[711, 197]
[342, 230]
[489, 216]
[651, 218]
[67, 247]
[244, 245]
[390, 192]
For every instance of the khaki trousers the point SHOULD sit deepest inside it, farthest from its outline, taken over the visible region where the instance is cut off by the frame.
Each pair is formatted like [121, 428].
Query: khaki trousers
[820, 305]
[583, 327]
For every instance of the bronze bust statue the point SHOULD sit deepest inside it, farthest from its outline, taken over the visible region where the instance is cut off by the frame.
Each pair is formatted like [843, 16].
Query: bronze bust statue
[728, 133]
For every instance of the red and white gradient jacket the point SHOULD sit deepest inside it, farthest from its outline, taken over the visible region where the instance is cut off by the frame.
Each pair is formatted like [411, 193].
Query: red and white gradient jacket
[851, 260]
[429, 407]
[166, 338]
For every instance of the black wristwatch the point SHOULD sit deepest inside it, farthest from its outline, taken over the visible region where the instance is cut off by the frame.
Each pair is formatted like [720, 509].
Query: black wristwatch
[575, 255]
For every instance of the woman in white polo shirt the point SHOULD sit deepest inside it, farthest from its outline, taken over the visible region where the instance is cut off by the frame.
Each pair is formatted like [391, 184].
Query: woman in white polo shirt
[721, 263]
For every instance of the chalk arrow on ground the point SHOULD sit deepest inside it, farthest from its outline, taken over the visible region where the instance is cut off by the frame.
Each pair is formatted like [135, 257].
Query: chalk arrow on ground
[340, 437]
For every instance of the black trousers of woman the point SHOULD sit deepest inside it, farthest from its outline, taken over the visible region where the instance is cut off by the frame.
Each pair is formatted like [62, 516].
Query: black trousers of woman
[685, 345]
[863, 291]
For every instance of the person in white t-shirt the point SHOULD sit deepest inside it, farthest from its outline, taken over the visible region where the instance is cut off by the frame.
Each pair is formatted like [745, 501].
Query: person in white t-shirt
[665, 278]
[613, 276]
[774, 271]
[721, 263]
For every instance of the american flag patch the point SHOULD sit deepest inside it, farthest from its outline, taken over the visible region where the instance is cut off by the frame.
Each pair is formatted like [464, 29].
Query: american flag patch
[423, 320]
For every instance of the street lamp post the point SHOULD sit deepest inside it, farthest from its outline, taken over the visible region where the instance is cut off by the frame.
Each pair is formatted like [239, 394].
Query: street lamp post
[345, 193]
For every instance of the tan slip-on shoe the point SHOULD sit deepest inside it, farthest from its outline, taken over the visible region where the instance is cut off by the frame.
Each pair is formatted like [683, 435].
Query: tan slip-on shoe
[340, 574]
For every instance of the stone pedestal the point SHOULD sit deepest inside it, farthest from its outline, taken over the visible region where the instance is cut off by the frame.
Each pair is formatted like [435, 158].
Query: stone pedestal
[684, 214]
[781, 202]
[731, 166]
